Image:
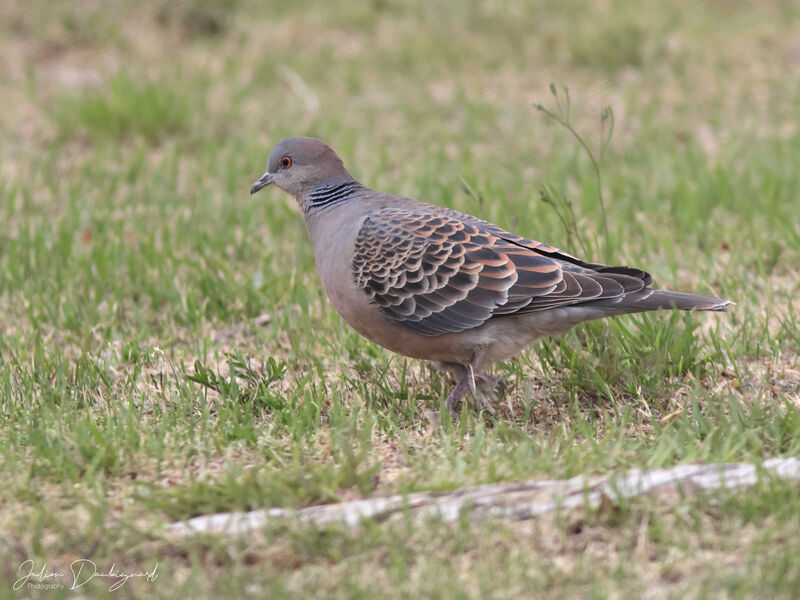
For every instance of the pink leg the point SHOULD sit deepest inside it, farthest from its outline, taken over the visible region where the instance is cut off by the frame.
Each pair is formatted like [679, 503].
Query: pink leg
[496, 387]
[461, 388]
[488, 379]
[465, 381]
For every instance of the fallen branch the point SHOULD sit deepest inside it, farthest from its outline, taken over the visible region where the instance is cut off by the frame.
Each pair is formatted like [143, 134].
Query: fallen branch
[518, 501]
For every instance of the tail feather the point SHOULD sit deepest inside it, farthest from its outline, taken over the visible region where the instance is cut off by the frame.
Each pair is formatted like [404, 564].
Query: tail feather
[649, 299]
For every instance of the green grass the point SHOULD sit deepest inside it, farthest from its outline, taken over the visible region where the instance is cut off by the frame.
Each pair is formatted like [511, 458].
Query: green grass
[125, 109]
[167, 350]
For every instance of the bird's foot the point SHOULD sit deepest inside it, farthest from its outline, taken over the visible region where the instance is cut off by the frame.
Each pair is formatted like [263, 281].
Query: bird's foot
[480, 397]
[479, 384]
[456, 394]
[485, 403]
[491, 385]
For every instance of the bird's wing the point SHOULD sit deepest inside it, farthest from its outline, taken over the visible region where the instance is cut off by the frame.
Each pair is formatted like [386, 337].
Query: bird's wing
[439, 271]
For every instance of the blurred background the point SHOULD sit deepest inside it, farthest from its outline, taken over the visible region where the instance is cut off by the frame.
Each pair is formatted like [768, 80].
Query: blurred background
[136, 127]
[166, 349]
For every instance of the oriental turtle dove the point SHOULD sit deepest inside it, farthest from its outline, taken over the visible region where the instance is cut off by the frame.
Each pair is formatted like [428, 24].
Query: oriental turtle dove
[433, 283]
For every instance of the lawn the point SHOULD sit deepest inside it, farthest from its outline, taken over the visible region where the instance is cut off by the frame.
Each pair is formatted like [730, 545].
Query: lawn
[167, 350]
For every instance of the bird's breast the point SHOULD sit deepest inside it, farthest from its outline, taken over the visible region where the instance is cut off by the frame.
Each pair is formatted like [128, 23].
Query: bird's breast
[333, 239]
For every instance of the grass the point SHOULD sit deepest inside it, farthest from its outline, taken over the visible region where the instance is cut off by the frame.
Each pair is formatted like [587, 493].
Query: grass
[167, 350]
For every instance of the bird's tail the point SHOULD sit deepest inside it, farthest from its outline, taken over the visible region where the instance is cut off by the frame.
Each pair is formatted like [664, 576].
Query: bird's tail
[649, 299]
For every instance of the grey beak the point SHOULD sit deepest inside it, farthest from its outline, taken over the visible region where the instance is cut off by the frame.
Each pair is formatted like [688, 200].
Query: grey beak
[263, 181]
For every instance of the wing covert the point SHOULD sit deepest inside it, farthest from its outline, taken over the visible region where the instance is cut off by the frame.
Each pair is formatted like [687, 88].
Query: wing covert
[436, 271]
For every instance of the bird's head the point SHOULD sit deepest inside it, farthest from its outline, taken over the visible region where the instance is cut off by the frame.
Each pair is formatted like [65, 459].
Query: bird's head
[300, 165]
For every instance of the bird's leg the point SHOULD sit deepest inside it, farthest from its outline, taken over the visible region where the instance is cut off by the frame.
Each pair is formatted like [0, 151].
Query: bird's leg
[465, 381]
[480, 398]
[491, 386]
[461, 388]
[484, 377]
[482, 402]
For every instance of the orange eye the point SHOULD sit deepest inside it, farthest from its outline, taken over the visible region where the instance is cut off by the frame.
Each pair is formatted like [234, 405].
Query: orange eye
[286, 162]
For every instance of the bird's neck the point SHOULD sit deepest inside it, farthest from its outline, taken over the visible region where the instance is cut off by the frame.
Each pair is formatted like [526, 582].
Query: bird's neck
[328, 195]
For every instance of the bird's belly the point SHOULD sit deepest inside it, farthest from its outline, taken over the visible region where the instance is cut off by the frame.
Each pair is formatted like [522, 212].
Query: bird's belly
[499, 339]
[369, 320]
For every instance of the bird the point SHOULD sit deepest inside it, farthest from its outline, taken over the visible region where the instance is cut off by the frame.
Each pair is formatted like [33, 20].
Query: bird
[432, 283]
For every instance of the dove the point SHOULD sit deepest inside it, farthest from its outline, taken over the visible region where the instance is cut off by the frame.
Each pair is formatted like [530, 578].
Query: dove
[432, 283]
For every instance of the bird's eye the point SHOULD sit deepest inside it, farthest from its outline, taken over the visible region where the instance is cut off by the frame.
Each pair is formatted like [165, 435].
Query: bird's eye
[286, 162]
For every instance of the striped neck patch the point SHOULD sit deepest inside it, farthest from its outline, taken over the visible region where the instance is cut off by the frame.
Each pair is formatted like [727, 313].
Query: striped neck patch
[327, 195]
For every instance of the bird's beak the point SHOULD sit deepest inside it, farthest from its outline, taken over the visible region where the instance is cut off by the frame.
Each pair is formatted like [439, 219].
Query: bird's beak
[263, 181]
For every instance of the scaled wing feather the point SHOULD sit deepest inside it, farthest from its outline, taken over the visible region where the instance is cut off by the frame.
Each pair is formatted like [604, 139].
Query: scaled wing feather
[439, 271]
